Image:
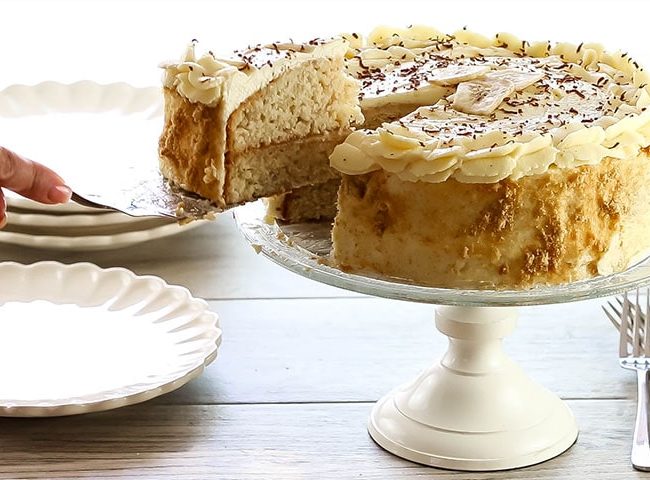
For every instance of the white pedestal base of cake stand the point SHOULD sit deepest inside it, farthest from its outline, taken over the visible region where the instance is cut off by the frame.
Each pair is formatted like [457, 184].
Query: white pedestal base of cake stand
[475, 409]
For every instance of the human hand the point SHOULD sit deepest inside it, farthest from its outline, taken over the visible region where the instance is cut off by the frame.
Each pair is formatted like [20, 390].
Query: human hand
[29, 179]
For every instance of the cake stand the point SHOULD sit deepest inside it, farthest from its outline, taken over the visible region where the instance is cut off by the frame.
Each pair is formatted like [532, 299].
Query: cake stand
[475, 409]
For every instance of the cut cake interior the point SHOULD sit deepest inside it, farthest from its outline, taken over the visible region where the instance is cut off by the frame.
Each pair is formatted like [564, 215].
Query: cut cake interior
[393, 84]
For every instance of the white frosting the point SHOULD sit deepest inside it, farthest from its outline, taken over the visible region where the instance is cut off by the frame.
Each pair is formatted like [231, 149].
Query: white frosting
[209, 80]
[226, 83]
[535, 105]
[409, 69]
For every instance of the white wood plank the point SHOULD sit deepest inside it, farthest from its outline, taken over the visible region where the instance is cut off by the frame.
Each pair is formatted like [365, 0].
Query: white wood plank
[213, 261]
[358, 349]
[269, 442]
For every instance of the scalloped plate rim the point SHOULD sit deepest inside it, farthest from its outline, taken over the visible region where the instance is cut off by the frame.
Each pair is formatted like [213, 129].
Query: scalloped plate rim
[80, 220]
[95, 242]
[42, 90]
[77, 405]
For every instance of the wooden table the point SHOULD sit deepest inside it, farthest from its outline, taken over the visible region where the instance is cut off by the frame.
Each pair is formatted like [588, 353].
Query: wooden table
[299, 369]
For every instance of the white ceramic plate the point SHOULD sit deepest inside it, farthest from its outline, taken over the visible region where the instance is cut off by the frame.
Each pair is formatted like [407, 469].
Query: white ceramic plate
[68, 127]
[93, 242]
[83, 130]
[78, 338]
[82, 220]
[15, 200]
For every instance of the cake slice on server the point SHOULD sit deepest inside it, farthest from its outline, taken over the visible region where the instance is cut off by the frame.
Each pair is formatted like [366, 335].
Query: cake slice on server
[259, 123]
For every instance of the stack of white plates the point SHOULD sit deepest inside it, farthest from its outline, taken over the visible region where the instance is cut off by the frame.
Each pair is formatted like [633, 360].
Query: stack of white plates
[75, 227]
[90, 134]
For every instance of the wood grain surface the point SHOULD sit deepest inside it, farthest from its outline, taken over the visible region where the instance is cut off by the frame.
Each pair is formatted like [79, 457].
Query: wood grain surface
[298, 371]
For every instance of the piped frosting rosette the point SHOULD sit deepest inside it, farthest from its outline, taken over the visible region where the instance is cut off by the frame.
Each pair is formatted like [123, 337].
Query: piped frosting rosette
[206, 78]
[509, 108]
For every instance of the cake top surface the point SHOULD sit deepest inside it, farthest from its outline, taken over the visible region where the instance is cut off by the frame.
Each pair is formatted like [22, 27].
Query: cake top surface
[498, 107]
[208, 79]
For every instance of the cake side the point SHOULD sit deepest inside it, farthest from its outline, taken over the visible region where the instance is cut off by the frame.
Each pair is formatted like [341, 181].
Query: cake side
[282, 167]
[389, 112]
[560, 226]
[315, 99]
[187, 146]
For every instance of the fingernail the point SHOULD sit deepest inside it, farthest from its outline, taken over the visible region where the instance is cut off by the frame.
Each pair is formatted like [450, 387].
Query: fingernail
[59, 194]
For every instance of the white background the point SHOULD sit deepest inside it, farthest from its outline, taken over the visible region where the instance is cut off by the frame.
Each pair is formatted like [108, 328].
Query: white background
[124, 40]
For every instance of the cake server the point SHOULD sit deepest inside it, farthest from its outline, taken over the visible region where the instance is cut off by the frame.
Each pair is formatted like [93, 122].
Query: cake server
[149, 196]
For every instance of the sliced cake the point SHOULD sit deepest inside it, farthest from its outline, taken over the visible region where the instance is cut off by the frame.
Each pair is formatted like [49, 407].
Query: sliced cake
[534, 169]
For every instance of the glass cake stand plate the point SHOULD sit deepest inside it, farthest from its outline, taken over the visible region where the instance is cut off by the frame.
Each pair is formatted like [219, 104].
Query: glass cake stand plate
[304, 249]
[475, 409]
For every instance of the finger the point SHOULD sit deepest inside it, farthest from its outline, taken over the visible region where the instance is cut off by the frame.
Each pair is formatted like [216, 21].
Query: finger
[31, 179]
[3, 210]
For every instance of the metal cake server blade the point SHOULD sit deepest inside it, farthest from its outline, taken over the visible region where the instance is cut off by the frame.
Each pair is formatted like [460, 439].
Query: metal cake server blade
[148, 196]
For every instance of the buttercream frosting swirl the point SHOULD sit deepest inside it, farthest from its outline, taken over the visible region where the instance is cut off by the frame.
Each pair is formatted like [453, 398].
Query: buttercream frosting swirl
[502, 107]
[208, 79]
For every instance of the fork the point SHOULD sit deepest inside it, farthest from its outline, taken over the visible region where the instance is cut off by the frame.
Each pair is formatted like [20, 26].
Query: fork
[614, 315]
[634, 354]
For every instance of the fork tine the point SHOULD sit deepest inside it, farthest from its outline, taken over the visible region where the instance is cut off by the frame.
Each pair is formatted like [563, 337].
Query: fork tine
[646, 330]
[620, 302]
[614, 319]
[636, 327]
[622, 342]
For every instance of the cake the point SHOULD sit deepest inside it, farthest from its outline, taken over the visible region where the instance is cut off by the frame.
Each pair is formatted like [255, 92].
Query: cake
[480, 163]
[234, 127]
[392, 85]
[533, 170]
[311, 203]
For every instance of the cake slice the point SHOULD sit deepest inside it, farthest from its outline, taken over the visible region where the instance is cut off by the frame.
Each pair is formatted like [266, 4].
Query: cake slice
[534, 170]
[259, 123]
